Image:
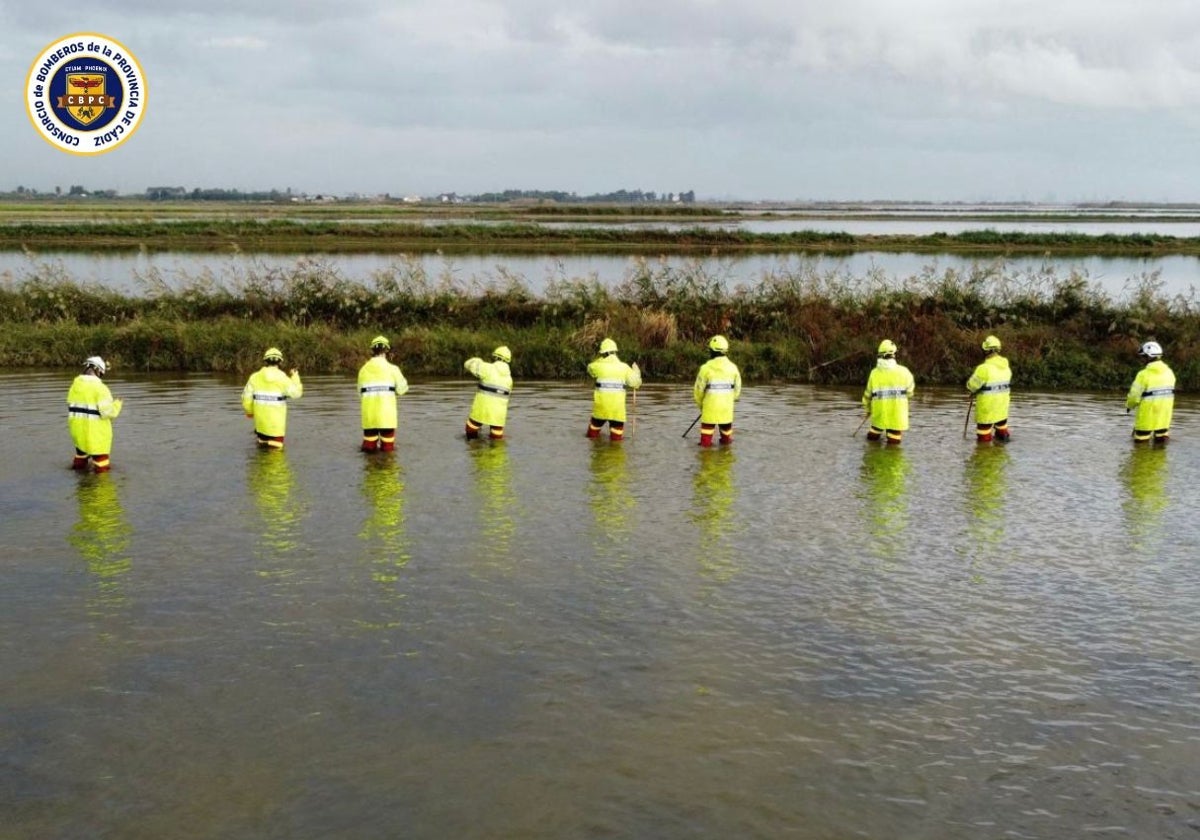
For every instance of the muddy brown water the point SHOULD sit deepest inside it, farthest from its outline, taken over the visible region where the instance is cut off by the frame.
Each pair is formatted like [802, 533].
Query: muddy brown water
[802, 635]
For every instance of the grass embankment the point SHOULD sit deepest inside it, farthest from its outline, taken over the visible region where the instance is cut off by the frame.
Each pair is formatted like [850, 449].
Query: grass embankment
[390, 236]
[797, 327]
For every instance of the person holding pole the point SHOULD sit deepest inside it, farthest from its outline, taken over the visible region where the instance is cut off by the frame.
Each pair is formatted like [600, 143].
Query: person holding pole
[989, 388]
[91, 408]
[265, 398]
[379, 383]
[885, 398]
[490, 406]
[718, 386]
[1153, 395]
[612, 377]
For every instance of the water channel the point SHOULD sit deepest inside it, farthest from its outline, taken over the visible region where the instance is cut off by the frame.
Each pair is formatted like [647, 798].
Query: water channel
[801, 635]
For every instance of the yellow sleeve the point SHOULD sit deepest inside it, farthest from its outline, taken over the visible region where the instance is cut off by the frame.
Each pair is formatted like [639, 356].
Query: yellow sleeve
[633, 377]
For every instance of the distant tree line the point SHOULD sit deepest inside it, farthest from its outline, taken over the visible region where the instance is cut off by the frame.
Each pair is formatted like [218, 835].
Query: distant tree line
[74, 190]
[617, 197]
[214, 194]
[177, 193]
[153, 194]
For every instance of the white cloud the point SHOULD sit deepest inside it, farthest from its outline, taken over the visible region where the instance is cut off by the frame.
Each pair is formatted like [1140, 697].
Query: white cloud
[802, 97]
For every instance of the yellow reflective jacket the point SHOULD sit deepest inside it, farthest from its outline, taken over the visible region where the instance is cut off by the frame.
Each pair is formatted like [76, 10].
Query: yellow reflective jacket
[90, 412]
[990, 384]
[1153, 395]
[612, 377]
[490, 406]
[379, 383]
[718, 386]
[889, 386]
[265, 398]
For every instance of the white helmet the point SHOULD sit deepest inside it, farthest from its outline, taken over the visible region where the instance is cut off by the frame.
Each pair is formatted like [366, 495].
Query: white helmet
[95, 362]
[1151, 349]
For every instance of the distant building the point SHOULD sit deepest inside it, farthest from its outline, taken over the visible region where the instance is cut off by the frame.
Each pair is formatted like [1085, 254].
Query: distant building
[160, 193]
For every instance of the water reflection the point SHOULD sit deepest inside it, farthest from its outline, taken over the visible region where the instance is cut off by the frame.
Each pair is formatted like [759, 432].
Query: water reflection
[493, 484]
[383, 531]
[713, 495]
[274, 490]
[986, 494]
[1144, 475]
[884, 475]
[383, 526]
[101, 536]
[610, 499]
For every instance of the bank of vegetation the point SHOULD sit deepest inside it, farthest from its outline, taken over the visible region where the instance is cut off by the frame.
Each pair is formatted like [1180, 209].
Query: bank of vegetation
[792, 326]
[387, 235]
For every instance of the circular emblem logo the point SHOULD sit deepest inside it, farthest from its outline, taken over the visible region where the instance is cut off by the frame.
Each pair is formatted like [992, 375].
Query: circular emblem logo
[85, 94]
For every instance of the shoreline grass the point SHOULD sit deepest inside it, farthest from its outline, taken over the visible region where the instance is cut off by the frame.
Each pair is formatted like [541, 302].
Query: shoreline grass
[798, 325]
[276, 235]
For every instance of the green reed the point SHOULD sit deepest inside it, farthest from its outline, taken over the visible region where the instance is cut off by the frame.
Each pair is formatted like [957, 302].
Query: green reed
[795, 323]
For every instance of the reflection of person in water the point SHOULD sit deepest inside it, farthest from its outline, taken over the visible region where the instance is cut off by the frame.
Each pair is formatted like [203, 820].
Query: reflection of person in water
[884, 476]
[385, 541]
[383, 526]
[101, 536]
[610, 499]
[987, 487]
[1145, 477]
[493, 482]
[273, 486]
[713, 496]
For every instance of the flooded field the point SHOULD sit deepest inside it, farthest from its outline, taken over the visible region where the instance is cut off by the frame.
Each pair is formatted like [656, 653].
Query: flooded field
[801, 635]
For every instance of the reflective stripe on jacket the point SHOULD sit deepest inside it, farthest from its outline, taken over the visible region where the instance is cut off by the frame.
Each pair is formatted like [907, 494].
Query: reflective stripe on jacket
[265, 397]
[379, 384]
[490, 406]
[612, 377]
[990, 383]
[718, 386]
[889, 386]
[1153, 395]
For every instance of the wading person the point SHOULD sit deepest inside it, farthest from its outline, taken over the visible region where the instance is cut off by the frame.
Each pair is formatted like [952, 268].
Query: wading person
[885, 399]
[718, 386]
[490, 407]
[1153, 395]
[265, 398]
[91, 408]
[612, 377]
[379, 384]
[989, 386]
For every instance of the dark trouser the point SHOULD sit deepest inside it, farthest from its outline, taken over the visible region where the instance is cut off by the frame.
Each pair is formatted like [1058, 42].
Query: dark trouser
[381, 440]
[473, 427]
[80, 462]
[985, 431]
[268, 441]
[616, 428]
[1158, 435]
[707, 429]
[893, 435]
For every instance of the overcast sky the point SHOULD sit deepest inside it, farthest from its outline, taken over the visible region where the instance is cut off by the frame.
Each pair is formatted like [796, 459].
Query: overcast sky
[1046, 100]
